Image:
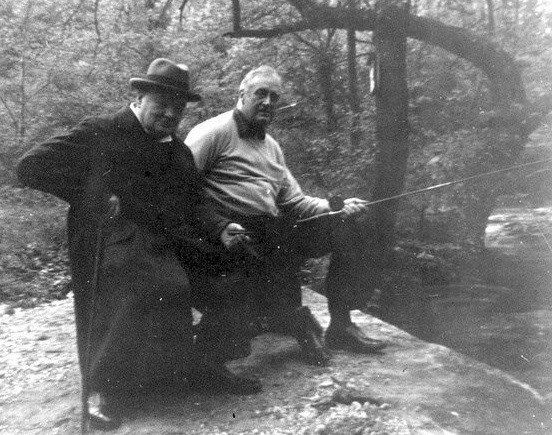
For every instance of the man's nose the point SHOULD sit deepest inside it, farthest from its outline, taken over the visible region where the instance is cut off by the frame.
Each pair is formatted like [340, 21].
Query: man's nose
[171, 112]
[268, 100]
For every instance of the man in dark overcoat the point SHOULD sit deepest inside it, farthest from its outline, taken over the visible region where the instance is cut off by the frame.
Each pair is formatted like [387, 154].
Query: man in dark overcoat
[135, 197]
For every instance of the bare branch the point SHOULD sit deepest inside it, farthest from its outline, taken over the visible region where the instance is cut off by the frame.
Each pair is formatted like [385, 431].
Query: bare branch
[97, 26]
[166, 8]
[494, 61]
[10, 112]
[305, 41]
[181, 10]
[273, 32]
[236, 15]
[45, 85]
[164, 19]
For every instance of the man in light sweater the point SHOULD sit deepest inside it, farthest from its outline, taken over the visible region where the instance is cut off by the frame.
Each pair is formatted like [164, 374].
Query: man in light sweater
[248, 182]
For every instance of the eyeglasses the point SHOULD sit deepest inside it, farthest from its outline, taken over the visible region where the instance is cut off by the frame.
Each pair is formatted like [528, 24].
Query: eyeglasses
[263, 93]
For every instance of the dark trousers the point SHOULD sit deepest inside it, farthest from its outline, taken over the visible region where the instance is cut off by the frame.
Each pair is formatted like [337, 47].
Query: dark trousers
[257, 289]
[141, 330]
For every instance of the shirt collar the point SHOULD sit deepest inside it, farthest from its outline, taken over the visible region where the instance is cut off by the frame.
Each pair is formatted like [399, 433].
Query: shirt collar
[246, 129]
[134, 109]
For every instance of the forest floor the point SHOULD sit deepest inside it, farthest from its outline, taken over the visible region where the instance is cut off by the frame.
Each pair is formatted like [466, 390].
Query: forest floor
[414, 387]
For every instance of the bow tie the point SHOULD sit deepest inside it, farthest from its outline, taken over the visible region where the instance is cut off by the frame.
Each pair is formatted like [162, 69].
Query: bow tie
[247, 130]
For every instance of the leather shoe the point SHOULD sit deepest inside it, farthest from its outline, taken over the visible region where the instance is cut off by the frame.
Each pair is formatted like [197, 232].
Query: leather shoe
[104, 415]
[216, 377]
[314, 352]
[352, 338]
[309, 334]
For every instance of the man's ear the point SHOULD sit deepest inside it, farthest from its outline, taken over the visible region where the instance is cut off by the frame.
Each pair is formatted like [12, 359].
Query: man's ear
[239, 103]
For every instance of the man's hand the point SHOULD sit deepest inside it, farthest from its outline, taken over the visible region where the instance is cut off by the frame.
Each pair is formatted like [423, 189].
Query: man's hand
[114, 207]
[234, 235]
[352, 206]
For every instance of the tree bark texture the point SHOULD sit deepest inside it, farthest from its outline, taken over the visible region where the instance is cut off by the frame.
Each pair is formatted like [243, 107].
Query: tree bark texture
[354, 96]
[391, 119]
[325, 69]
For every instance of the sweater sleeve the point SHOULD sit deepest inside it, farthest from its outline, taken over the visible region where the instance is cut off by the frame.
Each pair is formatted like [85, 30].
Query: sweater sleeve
[202, 142]
[291, 200]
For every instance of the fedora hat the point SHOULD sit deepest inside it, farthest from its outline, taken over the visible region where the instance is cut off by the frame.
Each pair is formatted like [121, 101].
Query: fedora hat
[165, 75]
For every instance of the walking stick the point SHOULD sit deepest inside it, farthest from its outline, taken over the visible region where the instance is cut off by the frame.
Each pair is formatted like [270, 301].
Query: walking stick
[112, 211]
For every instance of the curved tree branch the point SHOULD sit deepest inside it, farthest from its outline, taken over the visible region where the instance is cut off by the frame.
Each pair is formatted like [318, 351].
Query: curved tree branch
[498, 65]
[181, 10]
[272, 32]
[504, 74]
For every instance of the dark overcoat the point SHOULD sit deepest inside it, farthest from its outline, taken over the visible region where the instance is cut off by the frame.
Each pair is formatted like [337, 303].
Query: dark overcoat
[141, 326]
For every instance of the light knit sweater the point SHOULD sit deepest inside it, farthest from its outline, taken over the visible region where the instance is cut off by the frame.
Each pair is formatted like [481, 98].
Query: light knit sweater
[247, 176]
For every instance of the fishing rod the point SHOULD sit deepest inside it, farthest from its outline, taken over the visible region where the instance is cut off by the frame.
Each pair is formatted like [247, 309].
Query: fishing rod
[336, 203]
[289, 106]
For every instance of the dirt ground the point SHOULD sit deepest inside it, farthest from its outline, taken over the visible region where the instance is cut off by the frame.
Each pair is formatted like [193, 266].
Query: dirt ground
[414, 387]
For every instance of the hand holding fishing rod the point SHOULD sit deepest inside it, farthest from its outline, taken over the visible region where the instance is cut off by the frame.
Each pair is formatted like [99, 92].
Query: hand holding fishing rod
[347, 207]
[234, 235]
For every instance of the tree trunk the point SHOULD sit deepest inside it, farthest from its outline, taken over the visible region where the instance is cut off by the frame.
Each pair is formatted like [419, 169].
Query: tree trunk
[391, 118]
[325, 69]
[355, 133]
[490, 17]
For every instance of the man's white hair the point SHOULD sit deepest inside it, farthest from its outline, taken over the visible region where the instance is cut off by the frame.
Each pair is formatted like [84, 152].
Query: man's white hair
[263, 70]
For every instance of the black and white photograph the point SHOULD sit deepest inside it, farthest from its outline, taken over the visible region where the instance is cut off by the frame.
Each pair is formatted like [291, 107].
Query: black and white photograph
[276, 217]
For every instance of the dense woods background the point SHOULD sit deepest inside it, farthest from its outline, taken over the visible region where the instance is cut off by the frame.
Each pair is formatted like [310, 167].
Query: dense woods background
[62, 60]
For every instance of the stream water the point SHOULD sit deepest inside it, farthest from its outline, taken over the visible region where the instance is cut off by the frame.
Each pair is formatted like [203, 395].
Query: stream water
[506, 319]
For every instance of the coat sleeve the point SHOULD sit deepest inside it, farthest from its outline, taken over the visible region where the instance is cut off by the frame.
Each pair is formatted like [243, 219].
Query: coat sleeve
[203, 222]
[207, 219]
[204, 215]
[181, 208]
[60, 165]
